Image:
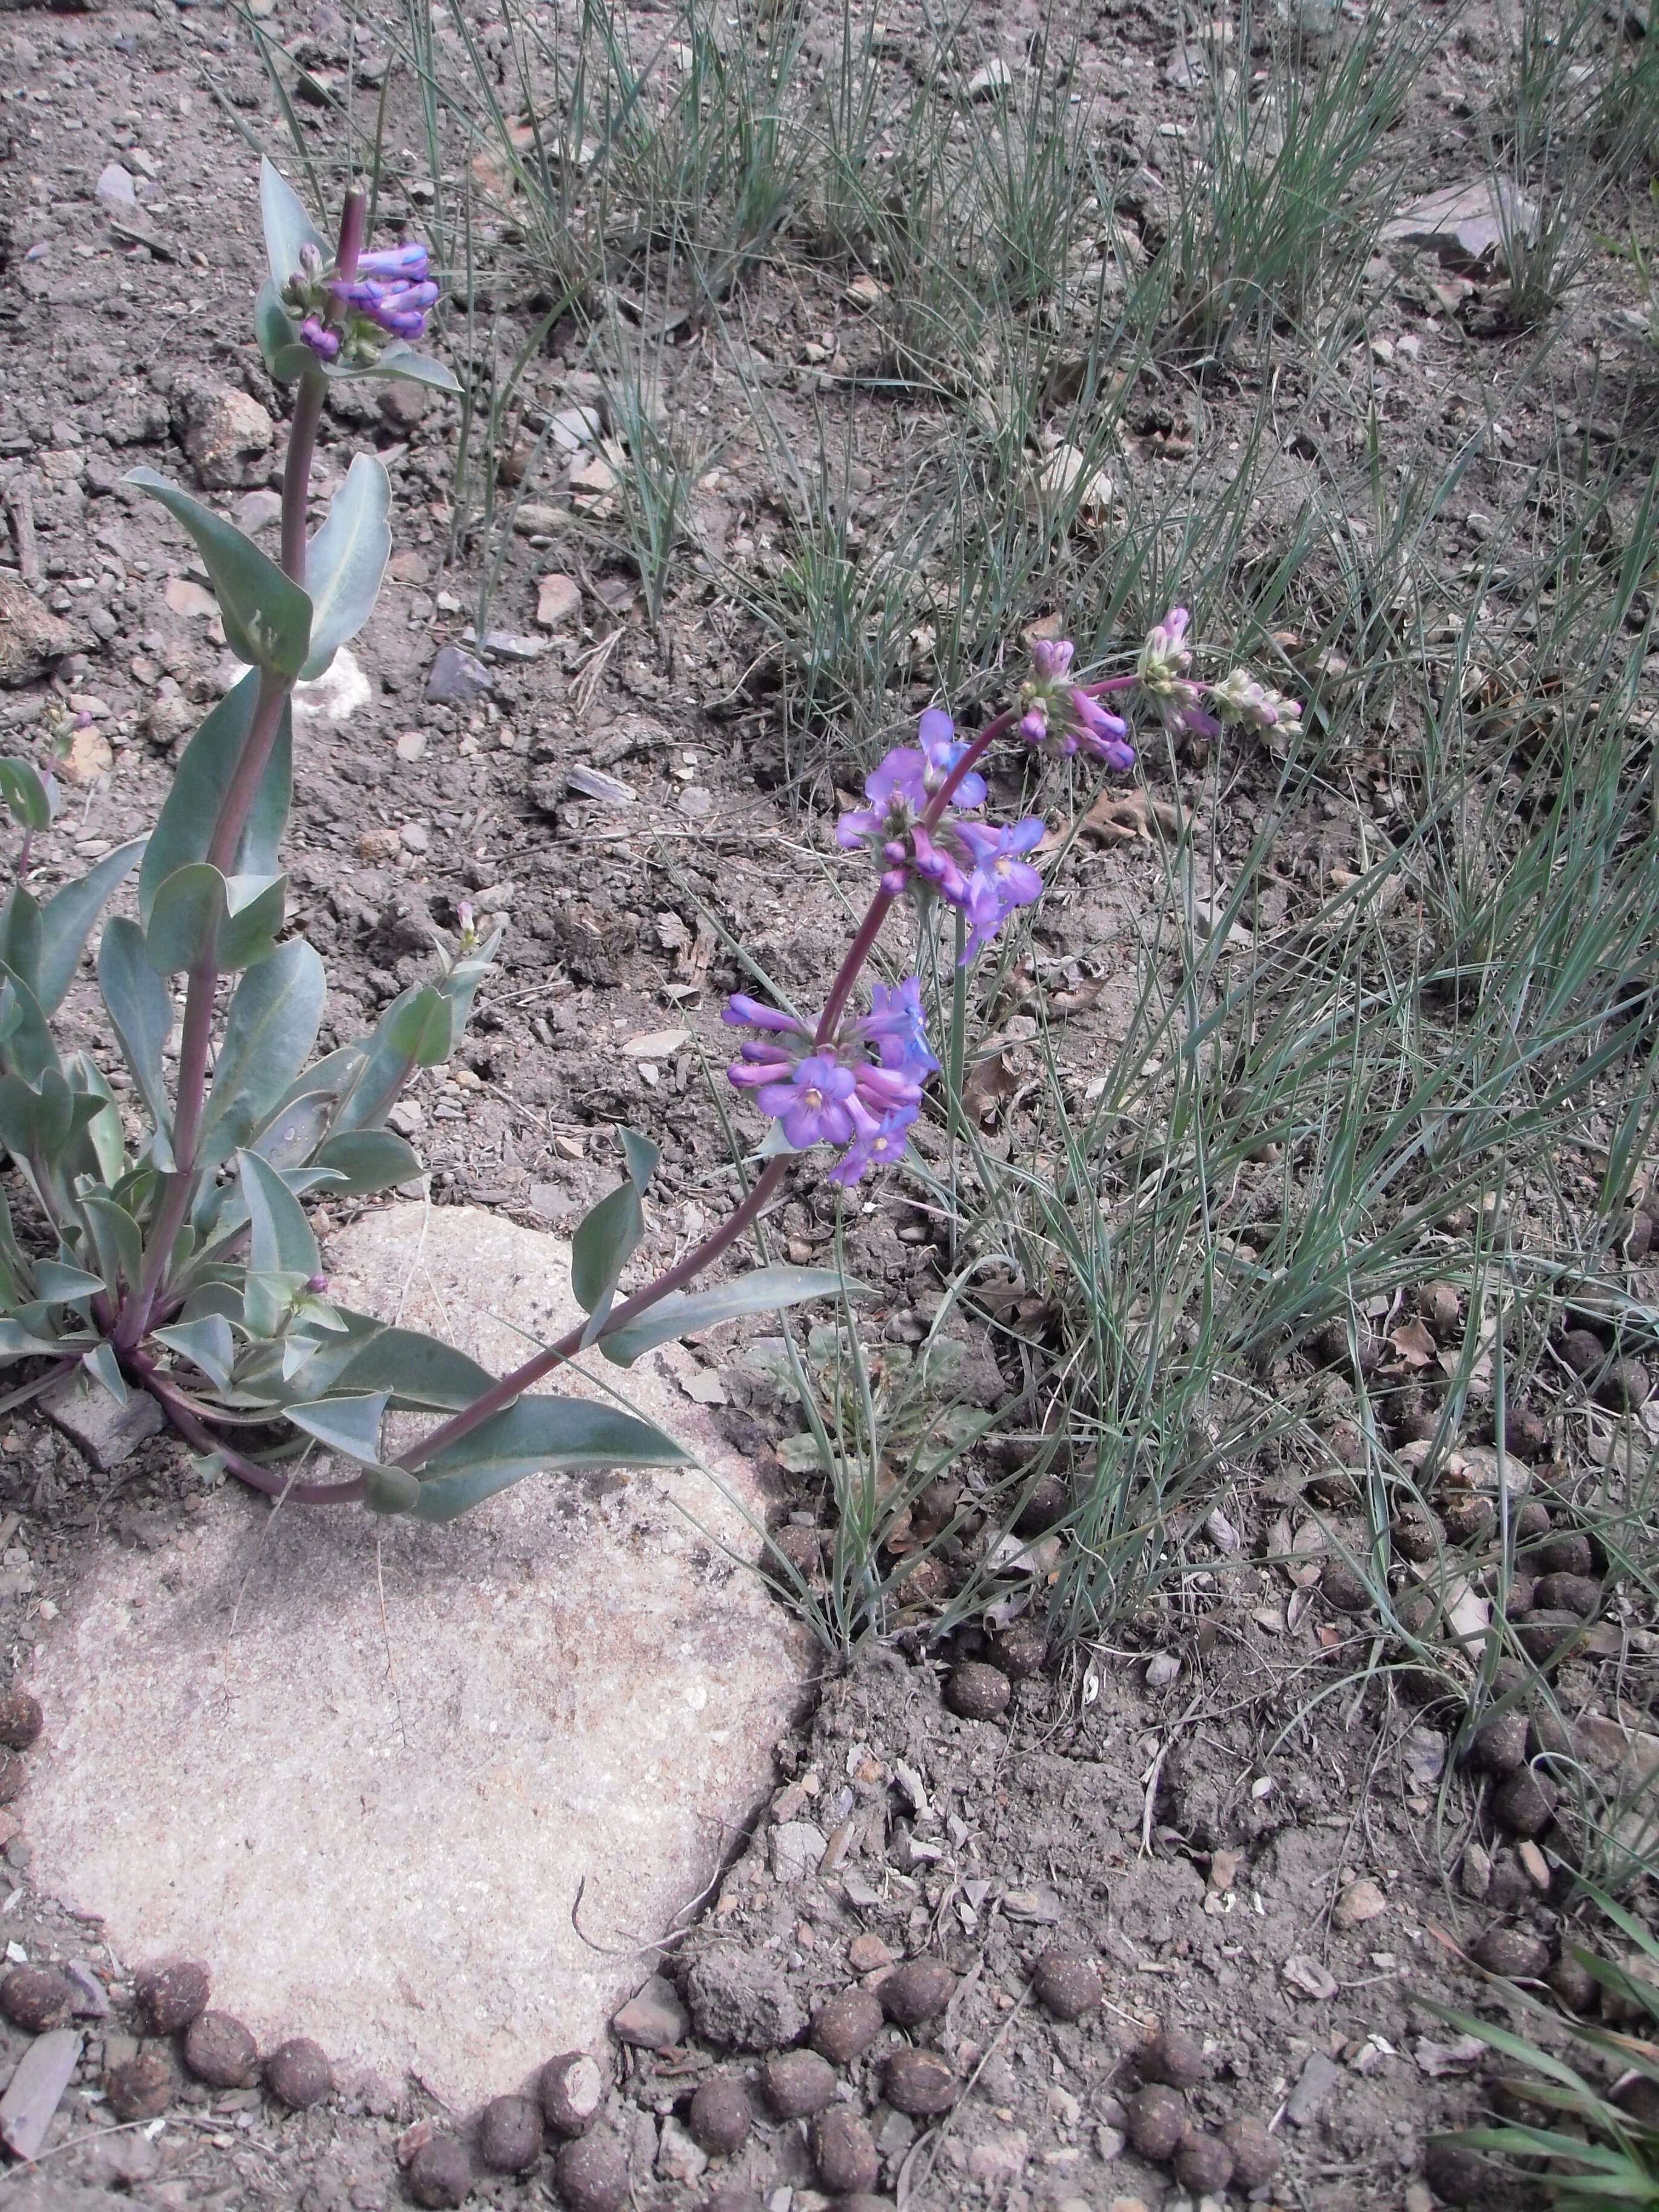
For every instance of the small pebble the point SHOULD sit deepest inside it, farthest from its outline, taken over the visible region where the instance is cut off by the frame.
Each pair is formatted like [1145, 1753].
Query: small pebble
[1532, 1522]
[1340, 1586]
[1573, 1983]
[1525, 1802]
[797, 2083]
[846, 2026]
[1564, 1552]
[921, 2083]
[571, 2089]
[844, 2151]
[913, 1992]
[1542, 1633]
[721, 2115]
[978, 1693]
[1468, 1520]
[170, 1994]
[591, 2174]
[1582, 1350]
[1625, 1386]
[1579, 1594]
[1203, 2164]
[1511, 1952]
[1046, 1506]
[1171, 2055]
[440, 2172]
[21, 1719]
[221, 2051]
[37, 1998]
[1416, 1536]
[1162, 1669]
[1499, 1744]
[1020, 1649]
[140, 2088]
[298, 2074]
[1157, 2121]
[1525, 1437]
[1066, 1982]
[510, 2134]
[1257, 2156]
[1459, 2176]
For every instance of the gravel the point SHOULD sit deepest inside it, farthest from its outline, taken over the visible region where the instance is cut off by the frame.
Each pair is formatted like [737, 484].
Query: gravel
[740, 2001]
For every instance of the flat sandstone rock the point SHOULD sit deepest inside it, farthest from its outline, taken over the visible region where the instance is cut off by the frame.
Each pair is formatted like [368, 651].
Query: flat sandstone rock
[360, 1765]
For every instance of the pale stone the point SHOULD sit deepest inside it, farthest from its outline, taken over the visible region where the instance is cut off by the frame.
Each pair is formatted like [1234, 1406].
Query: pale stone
[335, 695]
[558, 600]
[379, 1757]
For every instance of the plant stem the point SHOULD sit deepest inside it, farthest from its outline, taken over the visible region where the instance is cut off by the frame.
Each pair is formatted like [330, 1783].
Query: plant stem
[296, 471]
[502, 1393]
[143, 1370]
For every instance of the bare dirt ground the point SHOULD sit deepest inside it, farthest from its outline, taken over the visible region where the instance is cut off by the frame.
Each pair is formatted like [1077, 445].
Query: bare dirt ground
[1249, 1826]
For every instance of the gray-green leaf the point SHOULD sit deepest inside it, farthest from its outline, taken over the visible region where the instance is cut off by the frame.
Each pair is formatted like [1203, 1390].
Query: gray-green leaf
[269, 1030]
[599, 1251]
[346, 559]
[538, 1434]
[267, 618]
[352, 1426]
[288, 229]
[192, 807]
[66, 921]
[282, 1241]
[140, 1009]
[768, 1290]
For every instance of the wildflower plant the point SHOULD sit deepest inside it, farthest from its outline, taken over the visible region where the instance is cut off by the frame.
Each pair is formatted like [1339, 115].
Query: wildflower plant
[180, 1261]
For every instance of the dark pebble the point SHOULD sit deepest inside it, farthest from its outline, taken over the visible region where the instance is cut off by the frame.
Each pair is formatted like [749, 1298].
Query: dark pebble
[916, 1991]
[1499, 1745]
[1157, 2122]
[921, 2083]
[221, 2051]
[1542, 1633]
[1532, 1522]
[1625, 1386]
[1564, 1552]
[721, 2115]
[1066, 1982]
[1512, 1951]
[1203, 2164]
[1340, 1586]
[169, 1994]
[1640, 2098]
[797, 2083]
[1582, 1350]
[978, 1693]
[20, 1720]
[37, 1998]
[1171, 2056]
[844, 2150]
[440, 2172]
[1525, 1435]
[1526, 1802]
[510, 2134]
[1549, 1735]
[1046, 1506]
[298, 2073]
[571, 2089]
[1256, 2155]
[142, 2088]
[591, 2174]
[1579, 1594]
[1468, 1519]
[1461, 2176]
[1020, 1649]
[846, 2026]
[1573, 1983]
[1416, 1536]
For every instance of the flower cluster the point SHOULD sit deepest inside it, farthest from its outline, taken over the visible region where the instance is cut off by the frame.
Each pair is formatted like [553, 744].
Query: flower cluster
[924, 845]
[860, 1091]
[1060, 717]
[1162, 673]
[391, 292]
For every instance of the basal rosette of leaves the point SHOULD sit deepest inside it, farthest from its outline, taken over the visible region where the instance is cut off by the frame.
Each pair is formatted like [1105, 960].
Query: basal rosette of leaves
[183, 1263]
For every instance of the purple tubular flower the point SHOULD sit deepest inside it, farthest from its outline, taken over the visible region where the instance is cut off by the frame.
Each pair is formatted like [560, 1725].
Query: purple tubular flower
[1060, 717]
[323, 341]
[390, 262]
[837, 1093]
[941, 751]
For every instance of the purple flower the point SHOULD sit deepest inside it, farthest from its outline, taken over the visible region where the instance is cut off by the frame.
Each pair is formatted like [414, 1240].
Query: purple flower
[1160, 672]
[323, 341]
[1060, 717]
[1001, 879]
[941, 749]
[812, 1104]
[387, 262]
[862, 1090]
